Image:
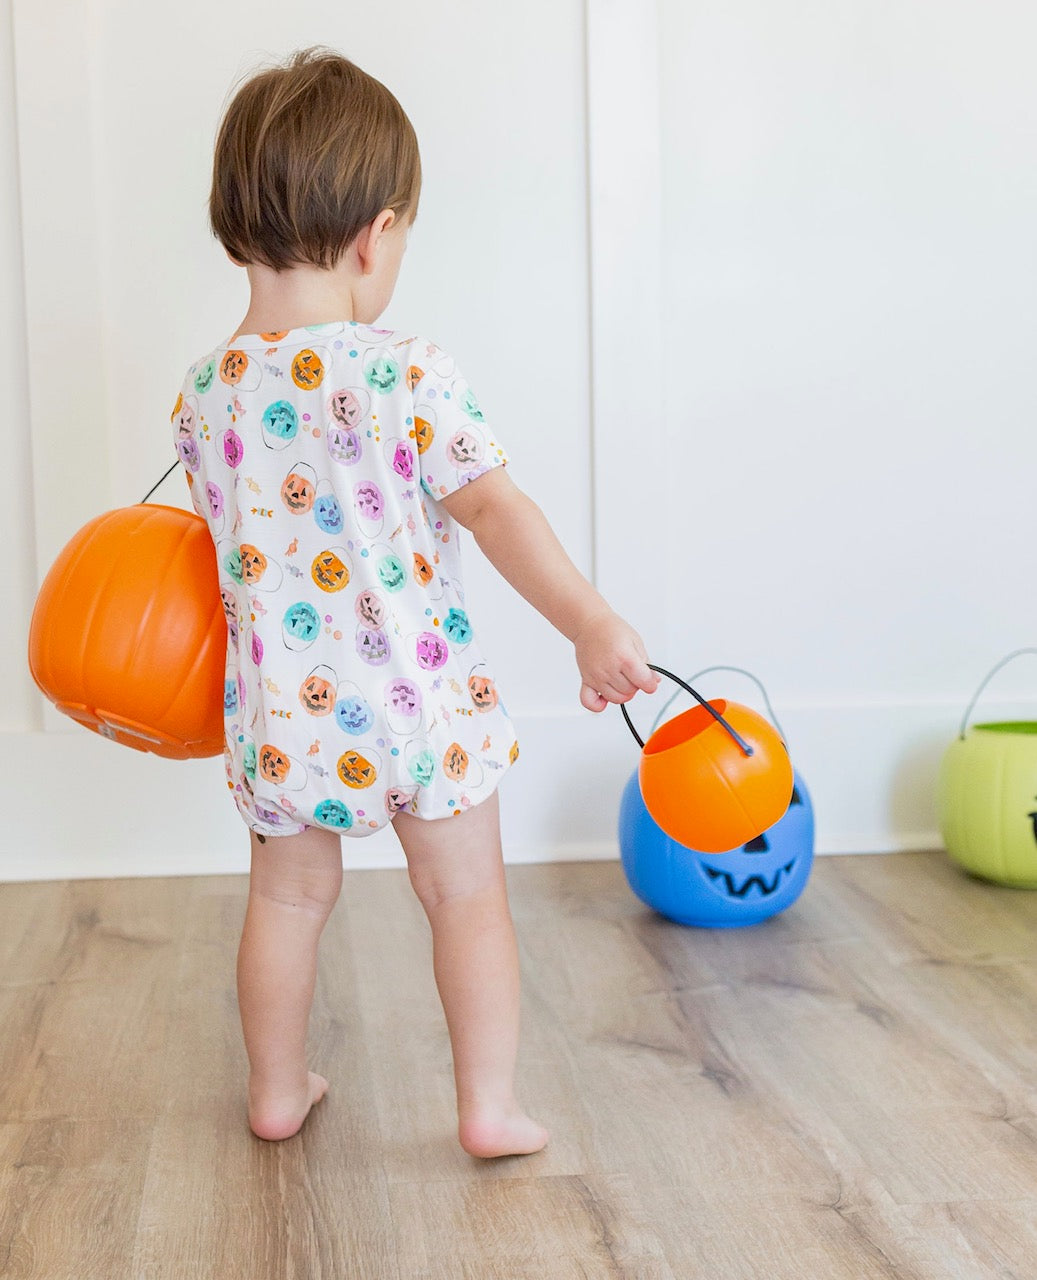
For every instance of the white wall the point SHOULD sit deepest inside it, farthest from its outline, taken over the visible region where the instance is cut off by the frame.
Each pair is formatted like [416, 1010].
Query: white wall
[809, 233]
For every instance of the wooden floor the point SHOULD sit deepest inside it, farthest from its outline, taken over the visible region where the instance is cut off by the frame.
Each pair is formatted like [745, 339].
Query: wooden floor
[849, 1090]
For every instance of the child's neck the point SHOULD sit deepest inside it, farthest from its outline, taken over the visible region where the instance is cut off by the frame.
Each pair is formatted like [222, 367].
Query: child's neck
[301, 296]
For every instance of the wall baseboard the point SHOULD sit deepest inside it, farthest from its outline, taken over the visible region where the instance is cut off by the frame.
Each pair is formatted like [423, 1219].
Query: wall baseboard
[80, 807]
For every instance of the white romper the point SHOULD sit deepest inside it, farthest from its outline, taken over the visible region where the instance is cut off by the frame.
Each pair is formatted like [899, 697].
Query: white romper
[354, 685]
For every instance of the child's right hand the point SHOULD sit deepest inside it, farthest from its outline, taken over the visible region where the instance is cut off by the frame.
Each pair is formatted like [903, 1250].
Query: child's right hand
[613, 662]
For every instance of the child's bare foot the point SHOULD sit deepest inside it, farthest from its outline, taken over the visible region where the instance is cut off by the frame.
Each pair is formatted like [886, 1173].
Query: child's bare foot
[279, 1116]
[494, 1132]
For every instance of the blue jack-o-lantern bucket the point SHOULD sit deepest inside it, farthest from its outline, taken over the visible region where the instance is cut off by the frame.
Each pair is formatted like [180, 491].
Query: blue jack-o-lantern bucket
[741, 886]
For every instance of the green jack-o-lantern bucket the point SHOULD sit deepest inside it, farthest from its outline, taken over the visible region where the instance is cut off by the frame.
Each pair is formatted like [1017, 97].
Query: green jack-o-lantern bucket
[987, 796]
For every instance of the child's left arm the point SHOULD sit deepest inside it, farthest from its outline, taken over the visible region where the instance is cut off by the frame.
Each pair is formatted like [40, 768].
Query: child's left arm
[515, 536]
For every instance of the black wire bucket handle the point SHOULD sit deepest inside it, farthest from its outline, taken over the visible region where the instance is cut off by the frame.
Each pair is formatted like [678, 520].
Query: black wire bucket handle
[746, 748]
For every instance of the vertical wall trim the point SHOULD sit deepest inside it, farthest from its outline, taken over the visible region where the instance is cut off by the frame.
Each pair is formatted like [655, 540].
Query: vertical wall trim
[625, 215]
[22, 706]
[63, 298]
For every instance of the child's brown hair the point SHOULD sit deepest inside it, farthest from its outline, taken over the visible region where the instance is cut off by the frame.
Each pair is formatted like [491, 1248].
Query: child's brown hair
[307, 155]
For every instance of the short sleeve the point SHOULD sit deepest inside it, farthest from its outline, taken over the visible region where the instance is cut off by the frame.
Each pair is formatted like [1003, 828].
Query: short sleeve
[455, 443]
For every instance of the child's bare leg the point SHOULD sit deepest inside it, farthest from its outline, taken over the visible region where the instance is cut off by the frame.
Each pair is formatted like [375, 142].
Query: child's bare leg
[457, 871]
[294, 885]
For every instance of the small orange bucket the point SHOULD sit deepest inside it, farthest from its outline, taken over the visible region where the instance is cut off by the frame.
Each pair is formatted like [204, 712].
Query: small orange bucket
[716, 776]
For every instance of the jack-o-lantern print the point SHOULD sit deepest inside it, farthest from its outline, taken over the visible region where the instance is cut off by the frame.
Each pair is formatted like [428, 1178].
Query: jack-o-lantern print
[398, 798]
[372, 644]
[205, 376]
[424, 574]
[424, 431]
[343, 444]
[299, 489]
[214, 498]
[381, 372]
[353, 713]
[465, 397]
[482, 691]
[369, 506]
[249, 759]
[391, 572]
[233, 449]
[253, 563]
[331, 569]
[421, 763]
[187, 451]
[370, 609]
[254, 646]
[457, 628]
[230, 561]
[317, 692]
[348, 407]
[274, 764]
[431, 651]
[402, 460]
[307, 370]
[185, 416]
[357, 771]
[233, 367]
[230, 698]
[328, 514]
[334, 814]
[455, 762]
[466, 449]
[280, 424]
[300, 626]
[403, 704]
[414, 376]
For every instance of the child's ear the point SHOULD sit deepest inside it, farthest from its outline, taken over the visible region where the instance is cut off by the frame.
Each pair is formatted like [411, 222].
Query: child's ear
[235, 261]
[367, 240]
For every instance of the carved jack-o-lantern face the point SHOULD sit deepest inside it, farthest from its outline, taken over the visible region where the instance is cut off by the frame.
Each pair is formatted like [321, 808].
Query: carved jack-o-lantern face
[233, 366]
[423, 571]
[298, 492]
[317, 695]
[274, 765]
[414, 376]
[741, 886]
[455, 762]
[330, 571]
[483, 692]
[253, 563]
[307, 370]
[356, 770]
[423, 433]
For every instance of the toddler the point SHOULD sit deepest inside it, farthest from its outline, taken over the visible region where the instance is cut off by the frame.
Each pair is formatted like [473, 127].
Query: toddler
[333, 462]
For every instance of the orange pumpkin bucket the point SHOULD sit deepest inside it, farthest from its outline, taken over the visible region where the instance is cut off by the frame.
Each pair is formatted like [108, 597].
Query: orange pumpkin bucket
[128, 635]
[715, 777]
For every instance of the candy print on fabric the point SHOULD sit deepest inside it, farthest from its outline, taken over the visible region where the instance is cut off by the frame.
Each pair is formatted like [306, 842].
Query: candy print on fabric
[317, 458]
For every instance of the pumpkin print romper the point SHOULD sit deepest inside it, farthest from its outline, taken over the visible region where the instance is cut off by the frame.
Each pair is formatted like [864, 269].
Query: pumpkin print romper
[354, 685]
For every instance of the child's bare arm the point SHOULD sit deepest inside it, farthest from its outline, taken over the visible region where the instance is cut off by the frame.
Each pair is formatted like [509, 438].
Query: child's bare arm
[515, 536]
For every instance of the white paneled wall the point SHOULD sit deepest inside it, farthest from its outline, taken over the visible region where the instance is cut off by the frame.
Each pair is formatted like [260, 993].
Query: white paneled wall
[749, 291]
